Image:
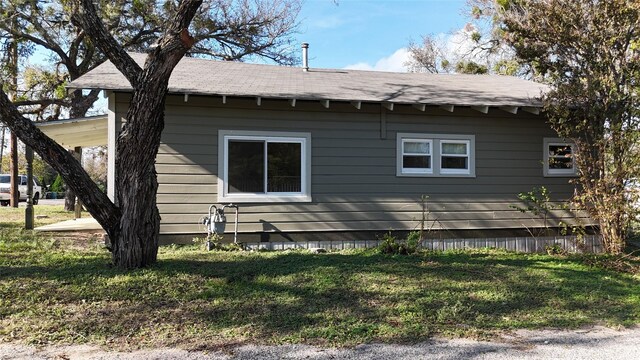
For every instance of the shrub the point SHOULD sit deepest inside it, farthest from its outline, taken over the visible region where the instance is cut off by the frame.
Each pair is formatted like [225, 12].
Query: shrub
[58, 185]
[391, 245]
[555, 249]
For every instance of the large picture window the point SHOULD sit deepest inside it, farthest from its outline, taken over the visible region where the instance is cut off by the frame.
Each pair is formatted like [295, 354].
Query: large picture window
[444, 155]
[264, 166]
[559, 157]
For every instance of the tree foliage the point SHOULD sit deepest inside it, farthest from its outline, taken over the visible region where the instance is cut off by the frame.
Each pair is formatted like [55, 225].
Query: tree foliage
[478, 48]
[589, 53]
[41, 169]
[224, 29]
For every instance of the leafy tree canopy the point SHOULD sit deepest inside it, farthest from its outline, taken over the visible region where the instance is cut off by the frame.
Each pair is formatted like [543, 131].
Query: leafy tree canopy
[589, 53]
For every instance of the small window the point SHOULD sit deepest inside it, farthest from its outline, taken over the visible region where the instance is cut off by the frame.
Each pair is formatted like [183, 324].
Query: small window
[454, 155]
[559, 158]
[436, 155]
[416, 156]
[264, 167]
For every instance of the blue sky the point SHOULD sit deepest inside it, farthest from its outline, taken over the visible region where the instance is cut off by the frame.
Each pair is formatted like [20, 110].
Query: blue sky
[363, 33]
[369, 34]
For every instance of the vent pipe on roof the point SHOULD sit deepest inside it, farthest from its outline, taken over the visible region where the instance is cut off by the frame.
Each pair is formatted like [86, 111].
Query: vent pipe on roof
[305, 57]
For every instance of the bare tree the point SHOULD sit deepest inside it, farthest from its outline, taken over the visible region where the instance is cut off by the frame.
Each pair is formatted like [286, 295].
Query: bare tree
[430, 56]
[478, 48]
[223, 29]
[226, 29]
[132, 224]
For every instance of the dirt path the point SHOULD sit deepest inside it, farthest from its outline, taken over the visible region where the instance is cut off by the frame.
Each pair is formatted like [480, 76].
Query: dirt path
[594, 343]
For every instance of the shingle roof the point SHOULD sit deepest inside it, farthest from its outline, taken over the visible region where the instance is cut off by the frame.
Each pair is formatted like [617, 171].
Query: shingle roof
[210, 77]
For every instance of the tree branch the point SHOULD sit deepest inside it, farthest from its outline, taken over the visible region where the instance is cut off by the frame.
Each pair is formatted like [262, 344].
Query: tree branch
[86, 17]
[43, 102]
[174, 43]
[97, 202]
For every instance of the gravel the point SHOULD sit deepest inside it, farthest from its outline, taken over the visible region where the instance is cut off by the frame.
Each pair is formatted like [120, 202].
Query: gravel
[592, 343]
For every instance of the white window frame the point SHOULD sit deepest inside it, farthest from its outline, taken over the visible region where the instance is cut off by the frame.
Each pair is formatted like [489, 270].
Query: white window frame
[467, 156]
[436, 154]
[548, 172]
[428, 170]
[304, 139]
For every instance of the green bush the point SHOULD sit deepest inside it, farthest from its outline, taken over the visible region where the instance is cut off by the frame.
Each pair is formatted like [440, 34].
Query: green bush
[555, 249]
[413, 239]
[58, 185]
[391, 245]
[214, 243]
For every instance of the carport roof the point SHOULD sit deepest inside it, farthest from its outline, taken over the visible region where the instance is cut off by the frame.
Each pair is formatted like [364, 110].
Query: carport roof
[85, 132]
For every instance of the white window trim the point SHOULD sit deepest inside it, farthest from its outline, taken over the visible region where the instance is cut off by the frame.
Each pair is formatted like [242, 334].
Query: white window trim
[293, 137]
[436, 151]
[407, 171]
[547, 172]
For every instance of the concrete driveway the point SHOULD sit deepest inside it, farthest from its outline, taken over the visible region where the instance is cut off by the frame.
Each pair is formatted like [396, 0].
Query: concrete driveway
[44, 202]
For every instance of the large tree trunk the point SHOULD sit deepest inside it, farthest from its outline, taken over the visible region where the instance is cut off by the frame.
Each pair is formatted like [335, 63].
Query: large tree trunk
[136, 243]
[133, 226]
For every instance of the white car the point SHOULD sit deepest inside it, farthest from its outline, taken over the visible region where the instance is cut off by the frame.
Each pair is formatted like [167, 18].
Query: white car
[5, 185]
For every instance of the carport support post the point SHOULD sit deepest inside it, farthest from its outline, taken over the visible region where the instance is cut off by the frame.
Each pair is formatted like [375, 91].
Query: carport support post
[77, 152]
[28, 213]
[13, 170]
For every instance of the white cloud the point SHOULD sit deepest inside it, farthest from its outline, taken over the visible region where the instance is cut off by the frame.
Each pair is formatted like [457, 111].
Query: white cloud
[459, 46]
[327, 22]
[394, 62]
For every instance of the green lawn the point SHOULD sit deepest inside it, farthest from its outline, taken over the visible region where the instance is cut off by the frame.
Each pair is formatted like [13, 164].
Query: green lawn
[53, 292]
[44, 215]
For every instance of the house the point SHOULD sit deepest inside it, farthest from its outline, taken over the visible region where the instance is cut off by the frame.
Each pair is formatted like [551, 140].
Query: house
[323, 154]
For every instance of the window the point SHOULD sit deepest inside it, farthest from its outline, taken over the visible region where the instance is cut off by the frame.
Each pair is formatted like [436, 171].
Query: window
[559, 158]
[264, 166]
[436, 155]
[416, 156]
[454, 156]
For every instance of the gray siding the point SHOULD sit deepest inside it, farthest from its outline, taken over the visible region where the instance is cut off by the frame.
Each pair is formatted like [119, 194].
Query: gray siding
[354, 184]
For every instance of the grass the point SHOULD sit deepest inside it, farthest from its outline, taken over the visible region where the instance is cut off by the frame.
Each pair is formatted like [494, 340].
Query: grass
[12, 225]
[53, 291]
[13, 218]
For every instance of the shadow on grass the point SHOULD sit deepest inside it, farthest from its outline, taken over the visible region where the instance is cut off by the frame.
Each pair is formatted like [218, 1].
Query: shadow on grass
[340, 298]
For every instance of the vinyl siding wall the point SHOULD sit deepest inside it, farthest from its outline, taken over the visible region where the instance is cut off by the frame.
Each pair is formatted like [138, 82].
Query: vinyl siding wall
[354, 184]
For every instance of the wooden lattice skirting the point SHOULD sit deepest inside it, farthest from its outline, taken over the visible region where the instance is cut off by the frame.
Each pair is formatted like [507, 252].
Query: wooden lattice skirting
[588, 244]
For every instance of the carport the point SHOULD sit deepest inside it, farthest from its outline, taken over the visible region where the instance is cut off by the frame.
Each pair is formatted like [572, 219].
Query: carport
[77, 133]
[73, 134]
